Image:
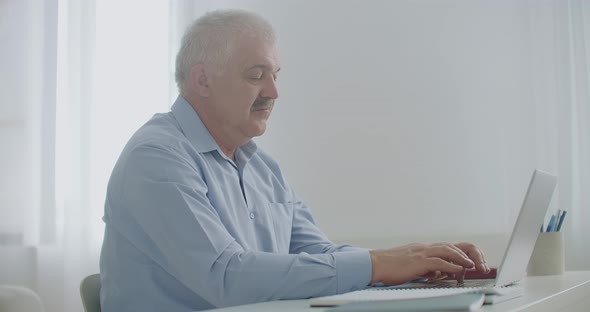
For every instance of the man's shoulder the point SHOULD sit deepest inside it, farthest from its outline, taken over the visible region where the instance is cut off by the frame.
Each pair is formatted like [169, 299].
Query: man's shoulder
[161, 131]
[159, 127]
[160, 140]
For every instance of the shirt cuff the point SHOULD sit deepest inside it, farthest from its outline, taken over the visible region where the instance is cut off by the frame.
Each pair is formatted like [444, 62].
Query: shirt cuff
[353, 270]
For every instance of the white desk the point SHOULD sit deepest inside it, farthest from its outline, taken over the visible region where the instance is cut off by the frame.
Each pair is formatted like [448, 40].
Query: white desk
[567, 292]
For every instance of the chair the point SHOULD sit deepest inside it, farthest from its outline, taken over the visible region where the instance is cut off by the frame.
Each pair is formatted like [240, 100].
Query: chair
[18, 298]
[90, 293]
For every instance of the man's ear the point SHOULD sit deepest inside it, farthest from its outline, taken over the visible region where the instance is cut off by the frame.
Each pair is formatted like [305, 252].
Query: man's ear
[199, 81]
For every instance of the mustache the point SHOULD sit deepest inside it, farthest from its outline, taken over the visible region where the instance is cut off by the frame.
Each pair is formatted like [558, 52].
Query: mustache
[262, 103]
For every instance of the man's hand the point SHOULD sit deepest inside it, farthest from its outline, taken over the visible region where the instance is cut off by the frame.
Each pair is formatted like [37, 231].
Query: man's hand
[402, 264]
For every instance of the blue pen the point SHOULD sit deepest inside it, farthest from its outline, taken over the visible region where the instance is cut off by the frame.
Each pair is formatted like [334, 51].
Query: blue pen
[551, 223]
[561, 220]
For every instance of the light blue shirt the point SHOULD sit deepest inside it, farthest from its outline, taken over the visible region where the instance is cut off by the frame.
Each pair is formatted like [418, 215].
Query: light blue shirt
[187, 228]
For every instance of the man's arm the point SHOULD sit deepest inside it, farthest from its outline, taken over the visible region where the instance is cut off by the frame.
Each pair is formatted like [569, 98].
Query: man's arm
[395, 265]
[306, 235]
[163, 210]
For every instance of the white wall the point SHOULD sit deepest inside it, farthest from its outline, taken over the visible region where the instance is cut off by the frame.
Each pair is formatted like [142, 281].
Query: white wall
[397, 118]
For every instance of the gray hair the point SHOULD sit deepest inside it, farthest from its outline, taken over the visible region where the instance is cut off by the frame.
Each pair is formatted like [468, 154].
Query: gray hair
[210, 39]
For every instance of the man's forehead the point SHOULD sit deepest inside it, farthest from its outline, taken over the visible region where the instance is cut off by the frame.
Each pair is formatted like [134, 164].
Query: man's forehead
[257, 54]
[260, 58]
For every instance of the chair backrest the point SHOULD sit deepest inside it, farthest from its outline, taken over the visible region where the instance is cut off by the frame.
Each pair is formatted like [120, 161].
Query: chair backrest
[90, 293]
[18, 298]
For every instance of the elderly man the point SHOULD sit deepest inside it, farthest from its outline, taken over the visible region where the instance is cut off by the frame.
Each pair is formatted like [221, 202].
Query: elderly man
[197, 216]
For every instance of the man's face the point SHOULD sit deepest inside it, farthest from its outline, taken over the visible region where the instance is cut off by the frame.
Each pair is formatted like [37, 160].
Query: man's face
[243, 94]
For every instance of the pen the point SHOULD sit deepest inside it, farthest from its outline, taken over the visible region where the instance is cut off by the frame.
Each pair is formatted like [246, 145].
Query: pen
[551, 223]
[561, 220]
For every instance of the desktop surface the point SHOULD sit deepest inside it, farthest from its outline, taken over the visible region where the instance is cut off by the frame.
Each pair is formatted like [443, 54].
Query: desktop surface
[567, 292]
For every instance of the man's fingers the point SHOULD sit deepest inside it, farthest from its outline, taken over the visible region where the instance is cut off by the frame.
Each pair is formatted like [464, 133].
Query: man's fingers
[450, 254]
[434, 264]
[436, 275]
[453, 247]
[460, 276]
[401, 264]
[476, 255]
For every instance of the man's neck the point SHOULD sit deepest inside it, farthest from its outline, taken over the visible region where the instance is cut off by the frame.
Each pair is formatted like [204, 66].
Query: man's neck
[224, 136]
[230, 153]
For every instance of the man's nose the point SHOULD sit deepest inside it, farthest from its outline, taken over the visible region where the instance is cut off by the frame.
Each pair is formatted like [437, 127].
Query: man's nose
[270, 89]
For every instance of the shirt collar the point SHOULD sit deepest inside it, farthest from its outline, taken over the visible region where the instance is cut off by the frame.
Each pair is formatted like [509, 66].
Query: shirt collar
[245, 152]
[196, 132]
[192, 126]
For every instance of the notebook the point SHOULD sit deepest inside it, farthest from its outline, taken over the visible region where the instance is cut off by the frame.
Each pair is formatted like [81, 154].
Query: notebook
[386, 294]
[460, 302]
[511, 270]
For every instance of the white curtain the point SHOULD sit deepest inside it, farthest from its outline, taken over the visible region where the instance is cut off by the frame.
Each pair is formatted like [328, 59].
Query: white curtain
[79, 77]
[573, 125]
[560, 62]
[113, 74]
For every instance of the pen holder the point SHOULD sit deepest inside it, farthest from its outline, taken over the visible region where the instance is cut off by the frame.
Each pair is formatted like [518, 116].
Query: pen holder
[548, 256]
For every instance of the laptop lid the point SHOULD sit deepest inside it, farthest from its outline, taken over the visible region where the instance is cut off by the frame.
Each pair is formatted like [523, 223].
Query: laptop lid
[526, 229]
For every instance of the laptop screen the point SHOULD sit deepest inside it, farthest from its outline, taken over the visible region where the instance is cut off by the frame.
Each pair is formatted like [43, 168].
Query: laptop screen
[526, 229]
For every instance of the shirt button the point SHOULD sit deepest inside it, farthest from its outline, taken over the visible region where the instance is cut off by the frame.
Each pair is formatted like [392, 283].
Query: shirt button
[251, 215]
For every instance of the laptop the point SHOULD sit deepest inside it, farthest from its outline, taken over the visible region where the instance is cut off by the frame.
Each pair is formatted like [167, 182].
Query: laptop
[516, 256]
[524, 234]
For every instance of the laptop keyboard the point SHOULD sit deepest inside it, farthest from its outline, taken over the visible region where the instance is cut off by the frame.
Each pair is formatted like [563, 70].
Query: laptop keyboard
[466, 283]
